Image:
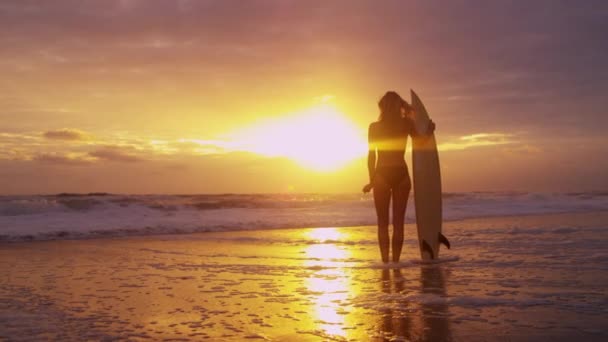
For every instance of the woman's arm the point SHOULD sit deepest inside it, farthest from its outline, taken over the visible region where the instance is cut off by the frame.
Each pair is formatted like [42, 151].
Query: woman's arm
[430, 129]
[371, 159]
[371, 165]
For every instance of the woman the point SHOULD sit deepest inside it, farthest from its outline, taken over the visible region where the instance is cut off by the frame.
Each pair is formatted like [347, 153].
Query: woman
[388, 173]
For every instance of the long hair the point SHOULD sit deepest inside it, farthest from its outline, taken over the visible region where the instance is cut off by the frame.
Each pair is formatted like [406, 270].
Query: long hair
[391, 107]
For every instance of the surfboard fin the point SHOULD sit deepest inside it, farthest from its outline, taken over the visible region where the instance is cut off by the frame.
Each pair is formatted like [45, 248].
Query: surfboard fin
[427, 247]
[444, 240]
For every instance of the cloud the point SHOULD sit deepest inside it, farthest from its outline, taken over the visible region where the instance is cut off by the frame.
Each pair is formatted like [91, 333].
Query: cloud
[14, 154]
[104, 153]
[523, 149]
[202, 146]
[478, 140]
[114, 153]
[11, 138]
[63, 159]
[19, 146]
[66, 134]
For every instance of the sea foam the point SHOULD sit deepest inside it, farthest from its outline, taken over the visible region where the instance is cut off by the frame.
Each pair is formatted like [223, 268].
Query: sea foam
[72, 216]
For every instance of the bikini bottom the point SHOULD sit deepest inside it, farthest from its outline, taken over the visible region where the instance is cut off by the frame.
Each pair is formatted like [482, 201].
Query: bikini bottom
[393, 175]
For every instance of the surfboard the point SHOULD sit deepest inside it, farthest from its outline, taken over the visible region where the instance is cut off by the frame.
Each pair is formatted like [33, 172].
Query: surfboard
[427, 185]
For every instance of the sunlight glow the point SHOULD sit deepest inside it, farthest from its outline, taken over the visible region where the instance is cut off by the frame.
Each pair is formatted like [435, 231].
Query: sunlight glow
[325, 234]
[330, 285]
[327, 253]
[320, 138]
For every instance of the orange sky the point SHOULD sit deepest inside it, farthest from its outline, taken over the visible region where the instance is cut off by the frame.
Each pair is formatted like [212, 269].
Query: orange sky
[230, 96]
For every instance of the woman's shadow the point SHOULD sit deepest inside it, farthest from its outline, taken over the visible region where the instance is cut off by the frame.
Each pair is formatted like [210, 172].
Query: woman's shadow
[415, 320]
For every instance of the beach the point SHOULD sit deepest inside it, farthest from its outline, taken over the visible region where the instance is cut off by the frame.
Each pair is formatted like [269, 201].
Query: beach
[515, 278]
[226, 170]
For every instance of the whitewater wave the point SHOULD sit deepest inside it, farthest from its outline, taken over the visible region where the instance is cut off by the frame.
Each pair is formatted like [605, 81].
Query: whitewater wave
[65, 215]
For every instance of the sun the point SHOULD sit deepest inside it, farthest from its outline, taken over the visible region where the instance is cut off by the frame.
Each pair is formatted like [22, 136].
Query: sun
[320, 138]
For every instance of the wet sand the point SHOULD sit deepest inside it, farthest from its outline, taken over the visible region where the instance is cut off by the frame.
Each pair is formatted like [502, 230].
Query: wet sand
[524, 278]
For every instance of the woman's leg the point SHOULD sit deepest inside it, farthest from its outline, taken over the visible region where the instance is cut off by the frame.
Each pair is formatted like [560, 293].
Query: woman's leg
[382, 200]
[400, 196]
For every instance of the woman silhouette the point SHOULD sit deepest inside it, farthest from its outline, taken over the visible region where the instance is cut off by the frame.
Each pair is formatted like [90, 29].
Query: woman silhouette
[388, 173]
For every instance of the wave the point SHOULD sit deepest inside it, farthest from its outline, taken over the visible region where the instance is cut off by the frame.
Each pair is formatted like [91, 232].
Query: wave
[69, 215]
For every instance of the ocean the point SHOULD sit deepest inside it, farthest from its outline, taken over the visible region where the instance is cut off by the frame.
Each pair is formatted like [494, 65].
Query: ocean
[81, 216]
[510, 278]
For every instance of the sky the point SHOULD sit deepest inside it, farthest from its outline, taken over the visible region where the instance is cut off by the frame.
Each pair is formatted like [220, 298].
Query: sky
[226, 96]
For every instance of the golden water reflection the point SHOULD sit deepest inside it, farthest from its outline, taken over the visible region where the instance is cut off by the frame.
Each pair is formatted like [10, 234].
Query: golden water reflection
[423, 320]
[406, 303]
[325, 234]
[330, 284]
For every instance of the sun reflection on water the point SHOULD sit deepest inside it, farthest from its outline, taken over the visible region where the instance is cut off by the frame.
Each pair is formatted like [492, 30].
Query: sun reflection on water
[325, 234]
[330, 286]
